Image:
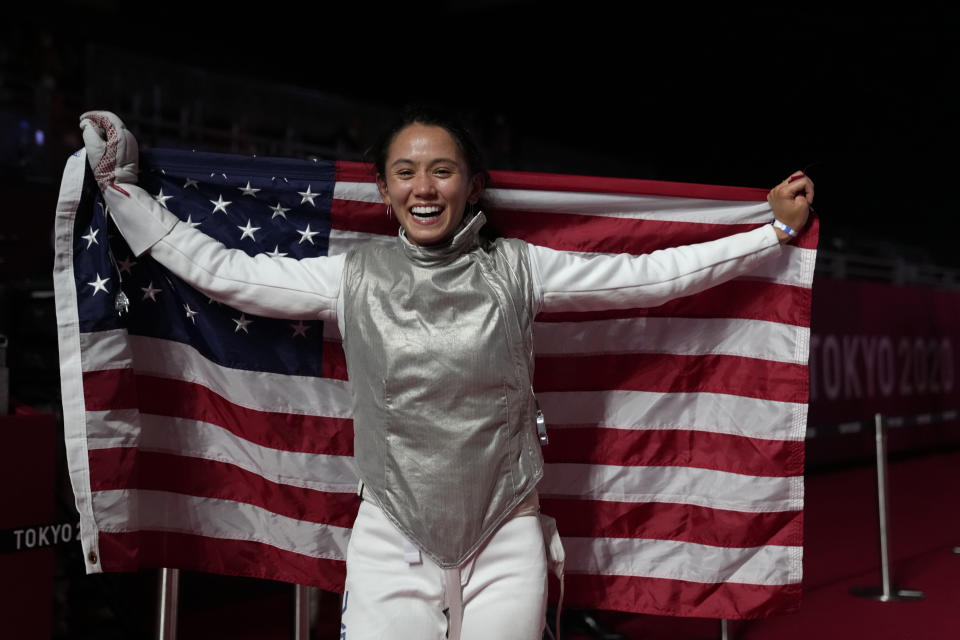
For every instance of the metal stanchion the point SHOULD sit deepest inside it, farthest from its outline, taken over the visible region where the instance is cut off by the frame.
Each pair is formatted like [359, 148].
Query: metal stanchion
[886, 592]
[301, 612]
[169, 589]
[723, 629]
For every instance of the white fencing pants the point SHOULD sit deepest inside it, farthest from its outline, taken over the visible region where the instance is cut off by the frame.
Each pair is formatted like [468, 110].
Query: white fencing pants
[395, 592]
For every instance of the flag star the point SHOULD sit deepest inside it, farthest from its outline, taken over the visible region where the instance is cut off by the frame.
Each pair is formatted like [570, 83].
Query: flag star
[242, 323]
[300, 329]
[308, 196]
[191, 183]
[221, 204]
[279, 211]
[99, 284]
[91, 237]
[191, 314]
[150, 292]
[190, 223]
[212, 301]
[307, 235]
[162, 199]
[248, 190]
[126, 264]
[276, 253]
[248, 231]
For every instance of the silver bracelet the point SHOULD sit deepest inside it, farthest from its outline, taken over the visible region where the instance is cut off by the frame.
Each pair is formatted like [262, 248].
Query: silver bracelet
[787, 229]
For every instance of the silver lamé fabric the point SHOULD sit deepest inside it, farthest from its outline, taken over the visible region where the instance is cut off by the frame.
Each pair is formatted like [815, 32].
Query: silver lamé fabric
[439, 349]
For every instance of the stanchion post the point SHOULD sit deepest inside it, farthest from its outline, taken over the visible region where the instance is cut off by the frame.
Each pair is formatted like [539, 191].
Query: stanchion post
[886, 592]
[724, 629]
[301, 612]
[168, 595]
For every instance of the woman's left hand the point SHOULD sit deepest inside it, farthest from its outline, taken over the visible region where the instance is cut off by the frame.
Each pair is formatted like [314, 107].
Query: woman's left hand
[790, 201]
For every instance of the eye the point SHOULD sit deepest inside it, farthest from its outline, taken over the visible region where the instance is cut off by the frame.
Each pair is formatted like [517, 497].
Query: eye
[443, 172]
[404, 173]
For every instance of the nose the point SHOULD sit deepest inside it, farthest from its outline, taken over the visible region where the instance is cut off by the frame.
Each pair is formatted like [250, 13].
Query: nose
[423, 185]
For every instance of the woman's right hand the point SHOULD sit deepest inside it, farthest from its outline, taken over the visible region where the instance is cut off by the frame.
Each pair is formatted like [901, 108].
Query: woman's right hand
[112, 151]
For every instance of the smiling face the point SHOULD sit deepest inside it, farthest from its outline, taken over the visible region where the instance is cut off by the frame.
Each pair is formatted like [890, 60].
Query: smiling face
[428, 182]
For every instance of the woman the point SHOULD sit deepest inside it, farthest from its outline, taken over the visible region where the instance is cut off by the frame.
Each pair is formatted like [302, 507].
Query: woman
[437, 333]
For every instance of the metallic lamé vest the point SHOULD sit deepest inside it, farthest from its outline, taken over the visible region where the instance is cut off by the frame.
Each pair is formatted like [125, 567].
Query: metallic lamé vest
[439, 348]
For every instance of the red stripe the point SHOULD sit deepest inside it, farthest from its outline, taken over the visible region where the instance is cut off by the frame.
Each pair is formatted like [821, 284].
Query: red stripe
[110, 389]
[334, 362]
[347, 171]
[668, 373]
[744, 299]
[676, 448]
[362, 217]
[128, 468]
[733, 601]
[132, 551]
[672, 521]
[179, 399]
[363, 172]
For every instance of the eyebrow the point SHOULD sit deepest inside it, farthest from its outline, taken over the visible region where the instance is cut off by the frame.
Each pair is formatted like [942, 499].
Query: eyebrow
[432, 162]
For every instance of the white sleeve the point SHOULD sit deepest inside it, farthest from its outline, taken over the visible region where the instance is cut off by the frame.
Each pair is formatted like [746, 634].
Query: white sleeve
[259, 285]
[572, 282]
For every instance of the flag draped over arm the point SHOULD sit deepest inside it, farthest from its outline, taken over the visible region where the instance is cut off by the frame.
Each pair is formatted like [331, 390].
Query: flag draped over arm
[203, 438]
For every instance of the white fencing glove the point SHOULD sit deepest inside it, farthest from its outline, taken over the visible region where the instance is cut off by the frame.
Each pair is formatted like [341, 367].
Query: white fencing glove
[111, 150]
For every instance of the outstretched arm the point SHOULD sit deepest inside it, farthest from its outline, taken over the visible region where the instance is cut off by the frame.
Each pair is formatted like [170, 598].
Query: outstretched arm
[260, 285]
[571, 282]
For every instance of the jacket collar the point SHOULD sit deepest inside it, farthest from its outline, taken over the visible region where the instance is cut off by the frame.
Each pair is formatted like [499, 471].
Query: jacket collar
[463, 241]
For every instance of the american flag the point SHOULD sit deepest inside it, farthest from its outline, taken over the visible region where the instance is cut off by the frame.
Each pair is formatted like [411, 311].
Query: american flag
[203, 438]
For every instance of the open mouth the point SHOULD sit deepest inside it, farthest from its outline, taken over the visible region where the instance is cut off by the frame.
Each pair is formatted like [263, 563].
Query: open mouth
[425, 213]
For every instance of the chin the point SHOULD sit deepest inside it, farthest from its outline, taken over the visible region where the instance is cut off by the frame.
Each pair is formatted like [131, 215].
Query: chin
[434, 234]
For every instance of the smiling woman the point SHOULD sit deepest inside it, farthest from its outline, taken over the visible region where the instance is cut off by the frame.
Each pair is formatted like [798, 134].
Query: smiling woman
[429, 170]
[428, 182]
[438, 338]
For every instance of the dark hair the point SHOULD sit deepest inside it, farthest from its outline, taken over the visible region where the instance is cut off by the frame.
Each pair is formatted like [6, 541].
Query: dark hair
[431, 116]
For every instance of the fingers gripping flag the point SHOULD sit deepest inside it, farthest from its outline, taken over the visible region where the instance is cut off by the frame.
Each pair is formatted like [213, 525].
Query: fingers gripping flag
[203, 438]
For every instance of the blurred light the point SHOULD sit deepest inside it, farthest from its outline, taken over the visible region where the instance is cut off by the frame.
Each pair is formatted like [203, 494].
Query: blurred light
[39, 137]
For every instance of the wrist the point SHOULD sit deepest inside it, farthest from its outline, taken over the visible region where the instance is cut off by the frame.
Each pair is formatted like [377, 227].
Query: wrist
[784, 231]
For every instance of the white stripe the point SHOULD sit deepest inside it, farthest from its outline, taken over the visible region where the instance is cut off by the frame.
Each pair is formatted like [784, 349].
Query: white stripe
[215, 518]
[273, 392]
[71, 367]
[710, 412]
[610, 205]
[675, 560]
[677, 485]
[679, 336]
[344, 241]
[794, 266]
[358, 191]
[197, 439]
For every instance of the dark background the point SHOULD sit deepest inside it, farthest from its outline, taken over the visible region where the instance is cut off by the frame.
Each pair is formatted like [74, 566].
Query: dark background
[865, 99]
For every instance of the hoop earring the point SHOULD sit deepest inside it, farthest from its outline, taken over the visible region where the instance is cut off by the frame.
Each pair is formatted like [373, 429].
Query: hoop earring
[389, 212]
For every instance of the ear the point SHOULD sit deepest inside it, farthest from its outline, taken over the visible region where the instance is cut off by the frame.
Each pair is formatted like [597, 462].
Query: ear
[477, 184]
[382, 187]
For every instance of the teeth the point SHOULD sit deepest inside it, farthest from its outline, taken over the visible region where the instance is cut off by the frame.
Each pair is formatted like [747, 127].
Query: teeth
[426, 211]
